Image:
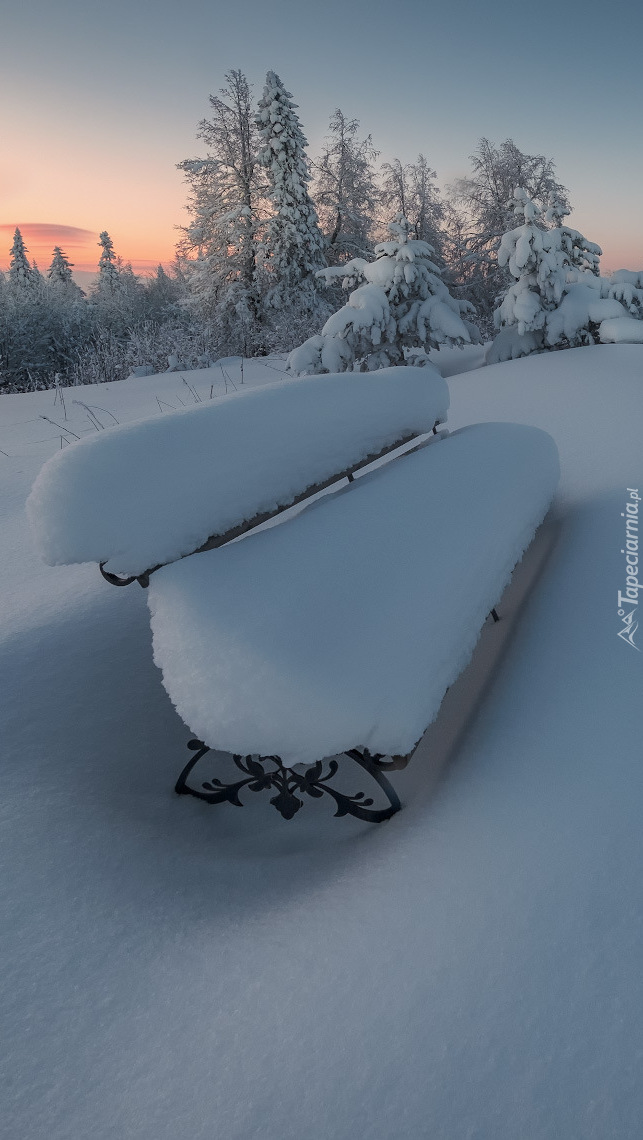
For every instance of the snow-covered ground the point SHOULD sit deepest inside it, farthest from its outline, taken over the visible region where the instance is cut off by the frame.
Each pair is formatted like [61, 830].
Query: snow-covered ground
[469, 970]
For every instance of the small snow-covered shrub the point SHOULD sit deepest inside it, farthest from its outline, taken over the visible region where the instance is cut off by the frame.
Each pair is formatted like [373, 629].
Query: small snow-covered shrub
[626, 286]
[398, 308]
[621, 330]
[577, 319]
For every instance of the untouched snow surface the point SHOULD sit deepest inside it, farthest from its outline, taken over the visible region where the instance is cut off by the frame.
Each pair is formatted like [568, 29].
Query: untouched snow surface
[344, 626]
[141, 494]
[471, 969]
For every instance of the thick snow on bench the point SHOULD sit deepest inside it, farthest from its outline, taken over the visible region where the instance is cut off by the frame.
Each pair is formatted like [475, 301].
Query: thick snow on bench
[148, 492]
[344, 626]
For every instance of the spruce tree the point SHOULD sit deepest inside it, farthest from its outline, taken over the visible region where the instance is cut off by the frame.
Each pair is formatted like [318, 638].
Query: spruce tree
[59, 274]
[400, 309]
[109, 277]
[293, 243]
[626, 286]
[557, 299]
[21, 274]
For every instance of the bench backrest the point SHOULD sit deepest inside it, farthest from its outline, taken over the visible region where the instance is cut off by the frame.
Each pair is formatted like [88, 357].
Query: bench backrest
[144, 494]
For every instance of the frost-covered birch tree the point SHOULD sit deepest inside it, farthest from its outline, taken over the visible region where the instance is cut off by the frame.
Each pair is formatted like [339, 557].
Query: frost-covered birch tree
[345, 190]
[227, 204]
[293, 245]
[398, 309]
[410, 189]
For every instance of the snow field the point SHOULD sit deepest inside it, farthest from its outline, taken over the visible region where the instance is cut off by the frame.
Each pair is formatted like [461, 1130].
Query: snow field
[470, 969]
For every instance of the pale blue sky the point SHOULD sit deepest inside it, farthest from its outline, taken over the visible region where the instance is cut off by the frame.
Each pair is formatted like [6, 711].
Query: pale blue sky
[101, 100]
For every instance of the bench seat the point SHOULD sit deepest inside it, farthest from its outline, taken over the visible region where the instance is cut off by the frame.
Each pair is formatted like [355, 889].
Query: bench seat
[342, 627]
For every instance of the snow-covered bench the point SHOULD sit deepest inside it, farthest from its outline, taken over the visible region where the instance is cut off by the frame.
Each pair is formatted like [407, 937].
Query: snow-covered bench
[143, 494]
[337, 631]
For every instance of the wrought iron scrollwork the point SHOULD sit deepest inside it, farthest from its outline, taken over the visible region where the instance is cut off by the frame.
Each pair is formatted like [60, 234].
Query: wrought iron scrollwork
[290, 786]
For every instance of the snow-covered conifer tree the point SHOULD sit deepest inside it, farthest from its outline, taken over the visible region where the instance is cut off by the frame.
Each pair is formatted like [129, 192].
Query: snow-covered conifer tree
[117, 296]
[576, 253]
[109, 277]
[400, 309]
[42, 326]
[626, 285]
[293, 246]
[59, 271]
[21, 275]
[345, 190]
[59, 274]
[558, 298]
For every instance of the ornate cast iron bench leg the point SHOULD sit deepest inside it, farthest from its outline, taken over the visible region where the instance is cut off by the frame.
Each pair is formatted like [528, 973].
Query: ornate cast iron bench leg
[291, 785]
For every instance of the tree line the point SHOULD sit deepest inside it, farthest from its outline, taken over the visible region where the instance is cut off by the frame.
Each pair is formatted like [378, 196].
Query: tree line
[259, 265]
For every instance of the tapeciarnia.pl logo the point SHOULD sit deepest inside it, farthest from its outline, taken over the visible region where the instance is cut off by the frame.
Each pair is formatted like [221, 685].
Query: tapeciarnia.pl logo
[629, 600]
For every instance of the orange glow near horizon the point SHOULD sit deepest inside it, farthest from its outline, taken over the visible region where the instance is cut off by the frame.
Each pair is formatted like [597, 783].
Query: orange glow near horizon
[81, 247]
[138, 198]
[145, 253]
[146, 238]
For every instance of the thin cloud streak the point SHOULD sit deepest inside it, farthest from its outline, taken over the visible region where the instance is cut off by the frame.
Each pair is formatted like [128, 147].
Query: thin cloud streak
[50, 231]
[41, 237]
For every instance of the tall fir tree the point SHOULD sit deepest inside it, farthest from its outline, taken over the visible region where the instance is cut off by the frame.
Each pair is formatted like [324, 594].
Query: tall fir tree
[109, 277]
[59, 274]
[21, 274]
[293, 243]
